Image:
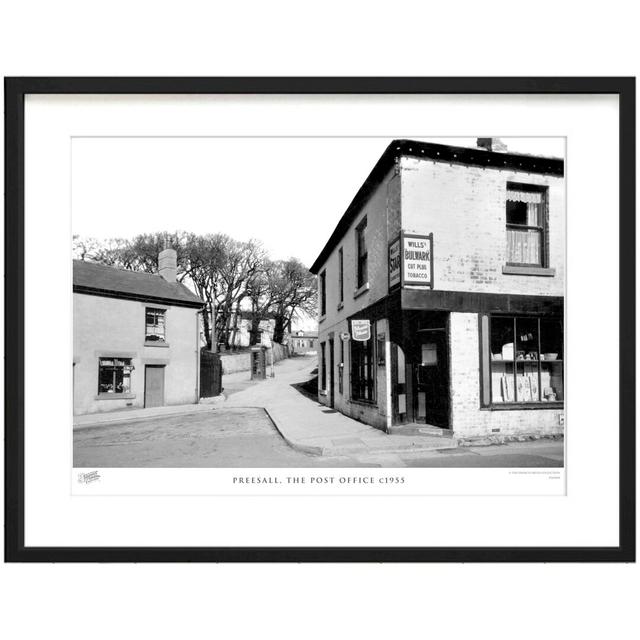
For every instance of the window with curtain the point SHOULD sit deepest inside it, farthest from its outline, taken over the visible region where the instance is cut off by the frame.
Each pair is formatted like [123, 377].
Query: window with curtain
[154, 329]
[114, 375]
[526, 211]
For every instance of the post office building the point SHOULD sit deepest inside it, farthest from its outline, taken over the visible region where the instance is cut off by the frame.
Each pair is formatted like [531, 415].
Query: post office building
[441, 293]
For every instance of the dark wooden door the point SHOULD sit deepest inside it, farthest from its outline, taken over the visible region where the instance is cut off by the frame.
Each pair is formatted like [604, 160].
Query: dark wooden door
[153, 386]
[431, 380]
[210, 374]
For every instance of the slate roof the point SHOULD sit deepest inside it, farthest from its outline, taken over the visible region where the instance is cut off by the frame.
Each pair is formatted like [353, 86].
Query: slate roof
[101, 280]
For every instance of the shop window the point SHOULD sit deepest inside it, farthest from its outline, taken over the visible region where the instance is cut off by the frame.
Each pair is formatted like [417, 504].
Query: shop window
[361, 253]
[323, 293]
[341, 274]
[323, 362]
[526, 214]
[522, 360]
[362, 370]
[154, 325]
[114, 375]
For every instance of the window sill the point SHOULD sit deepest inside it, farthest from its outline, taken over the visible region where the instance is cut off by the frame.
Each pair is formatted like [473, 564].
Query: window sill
[514, 270]
[340, 306]
[115, 396]
[363, 289]
[516, 406]
[321, 319]
[164, 345]
[364, 403]
[322, 392]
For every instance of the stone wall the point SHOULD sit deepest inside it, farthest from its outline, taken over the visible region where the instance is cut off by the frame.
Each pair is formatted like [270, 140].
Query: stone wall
[236, 362]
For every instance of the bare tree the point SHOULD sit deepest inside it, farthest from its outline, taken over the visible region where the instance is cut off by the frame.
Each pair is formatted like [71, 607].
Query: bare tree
[228, 275]
[294, 290]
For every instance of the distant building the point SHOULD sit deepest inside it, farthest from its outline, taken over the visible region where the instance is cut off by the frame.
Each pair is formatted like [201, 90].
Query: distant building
[240, 330]
[441, 293]
[136, 338]
[302, 342]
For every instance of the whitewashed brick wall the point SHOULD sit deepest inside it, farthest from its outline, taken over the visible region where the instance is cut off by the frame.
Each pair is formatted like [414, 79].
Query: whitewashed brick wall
[468, 419]
[465, 209]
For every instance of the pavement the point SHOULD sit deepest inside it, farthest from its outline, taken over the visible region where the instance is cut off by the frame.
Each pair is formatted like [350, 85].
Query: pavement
[309, 426]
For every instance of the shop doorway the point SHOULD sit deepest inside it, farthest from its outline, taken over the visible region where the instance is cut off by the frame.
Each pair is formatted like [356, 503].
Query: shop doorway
[401, 414]
[154, 385]
[431, 378]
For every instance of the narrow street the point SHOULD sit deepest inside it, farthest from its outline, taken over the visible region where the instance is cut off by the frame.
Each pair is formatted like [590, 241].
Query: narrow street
[240, 433]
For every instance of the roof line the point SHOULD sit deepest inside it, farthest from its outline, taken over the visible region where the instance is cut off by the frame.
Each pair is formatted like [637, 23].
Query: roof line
[108, 293]
[438, 153]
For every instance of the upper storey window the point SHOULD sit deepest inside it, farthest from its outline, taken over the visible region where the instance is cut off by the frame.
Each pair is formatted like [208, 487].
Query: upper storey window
[527, 225]
[361, 252]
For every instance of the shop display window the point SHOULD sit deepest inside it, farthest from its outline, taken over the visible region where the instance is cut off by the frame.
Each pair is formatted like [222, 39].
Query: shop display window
[526, 360]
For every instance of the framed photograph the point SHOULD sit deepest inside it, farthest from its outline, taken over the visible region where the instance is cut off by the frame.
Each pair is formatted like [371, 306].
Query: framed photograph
[320, 319]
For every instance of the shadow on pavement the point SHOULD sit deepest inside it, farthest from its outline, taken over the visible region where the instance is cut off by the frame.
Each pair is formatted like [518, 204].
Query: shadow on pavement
[309, 388]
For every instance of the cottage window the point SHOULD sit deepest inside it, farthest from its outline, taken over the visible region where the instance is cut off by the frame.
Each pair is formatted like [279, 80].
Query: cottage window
[154, 325]
[361, 253]
[323, 293]
[526, 214]
[362, 370]
[522, 360]
[114, 375]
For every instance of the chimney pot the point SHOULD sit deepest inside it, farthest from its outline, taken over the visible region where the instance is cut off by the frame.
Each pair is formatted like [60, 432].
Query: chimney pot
[491, 144]
[167, 264]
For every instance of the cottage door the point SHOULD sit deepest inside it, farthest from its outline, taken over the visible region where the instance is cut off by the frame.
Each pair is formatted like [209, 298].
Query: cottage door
[153, 386]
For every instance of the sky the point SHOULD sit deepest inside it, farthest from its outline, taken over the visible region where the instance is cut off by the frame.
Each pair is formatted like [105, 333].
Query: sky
[289, 193]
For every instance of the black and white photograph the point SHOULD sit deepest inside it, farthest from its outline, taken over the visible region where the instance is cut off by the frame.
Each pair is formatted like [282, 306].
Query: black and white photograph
[319, 320]
[301, 302]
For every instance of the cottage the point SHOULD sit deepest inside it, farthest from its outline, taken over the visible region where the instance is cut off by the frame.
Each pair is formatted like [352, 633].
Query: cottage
[136, 338]
[441, 293]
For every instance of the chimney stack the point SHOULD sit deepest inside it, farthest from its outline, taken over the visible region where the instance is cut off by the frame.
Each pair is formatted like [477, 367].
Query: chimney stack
[167, 264]
[491, 144]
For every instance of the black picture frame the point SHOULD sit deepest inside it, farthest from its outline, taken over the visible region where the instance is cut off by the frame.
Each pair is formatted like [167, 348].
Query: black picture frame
[15, 91]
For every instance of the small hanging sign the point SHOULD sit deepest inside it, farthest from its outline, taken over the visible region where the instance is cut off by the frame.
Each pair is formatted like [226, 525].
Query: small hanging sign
[361, 330]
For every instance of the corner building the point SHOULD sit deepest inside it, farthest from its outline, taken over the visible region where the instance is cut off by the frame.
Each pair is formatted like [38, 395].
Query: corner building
[455, 258]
